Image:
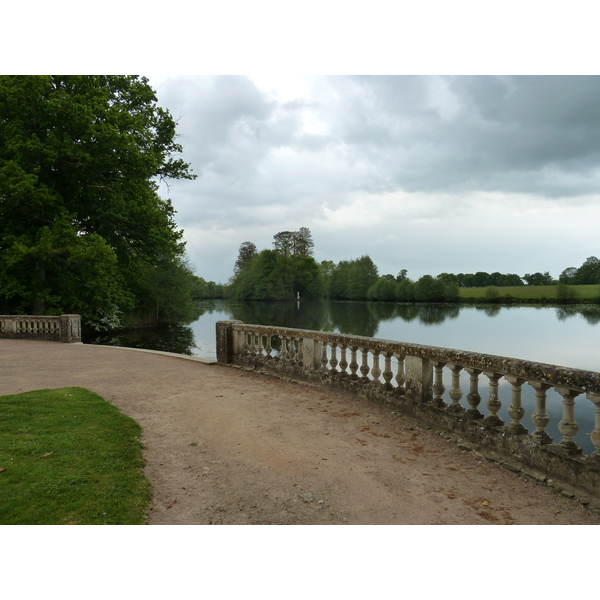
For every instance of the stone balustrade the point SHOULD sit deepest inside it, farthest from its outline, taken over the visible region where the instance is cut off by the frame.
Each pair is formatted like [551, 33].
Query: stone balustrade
[63, 328]
[413, 379]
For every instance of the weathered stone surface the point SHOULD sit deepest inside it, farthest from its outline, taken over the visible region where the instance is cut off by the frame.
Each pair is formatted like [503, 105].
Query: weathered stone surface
[413, 396]
[63, 328]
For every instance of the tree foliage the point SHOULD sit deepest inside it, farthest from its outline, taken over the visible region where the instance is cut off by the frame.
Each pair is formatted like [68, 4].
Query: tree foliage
[246, 253]
[538, 278]
[587, 274]
[426, 289]
[278, 274]
[285, 270]
[303, 242]
[352, 279]
[81, 222]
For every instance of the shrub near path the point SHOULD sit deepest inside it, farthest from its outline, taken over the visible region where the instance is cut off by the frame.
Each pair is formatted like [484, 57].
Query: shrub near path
[69, 457]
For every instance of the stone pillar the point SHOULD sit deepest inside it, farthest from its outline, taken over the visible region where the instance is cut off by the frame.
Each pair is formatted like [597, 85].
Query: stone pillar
[70, 329]
[595, 434]
[10, 327]
[311, 354]
[226, 344]
[419, 379]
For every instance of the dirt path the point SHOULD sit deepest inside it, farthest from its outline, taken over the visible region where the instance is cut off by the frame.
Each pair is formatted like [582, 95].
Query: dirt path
[225, 446]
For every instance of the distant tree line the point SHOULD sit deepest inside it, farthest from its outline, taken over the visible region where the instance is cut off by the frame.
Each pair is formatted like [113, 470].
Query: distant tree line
[288, 269]
[202, 289]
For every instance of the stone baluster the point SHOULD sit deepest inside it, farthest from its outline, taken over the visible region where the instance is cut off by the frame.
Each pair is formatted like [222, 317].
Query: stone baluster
[364, 367]
[253, 345]
[456, 392]
[568, 427]
[515, 410]
[376, 371]
[333, 362]
[400, 373]
[268, 347]
[284, 351]
[292, 352]
[493, 404]
[540, 417]
[388, 375]
[343, 361]
[324, 359]
[301, 352]
[595, 434]
[353, 363]
[245, 344]
[260, 349]
[438, 383]
[473, 397]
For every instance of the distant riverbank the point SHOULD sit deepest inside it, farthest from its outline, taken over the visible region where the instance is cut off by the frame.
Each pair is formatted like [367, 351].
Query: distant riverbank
[532, 294]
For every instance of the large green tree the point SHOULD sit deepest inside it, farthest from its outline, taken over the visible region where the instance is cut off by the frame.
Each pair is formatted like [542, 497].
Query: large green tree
[80, 214]
[278, 274]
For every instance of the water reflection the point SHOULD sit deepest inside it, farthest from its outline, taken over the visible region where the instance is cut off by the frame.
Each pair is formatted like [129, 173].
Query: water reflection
[173, 338]
[355, 318]
[563, 336]
[590, 313]
[405, 322]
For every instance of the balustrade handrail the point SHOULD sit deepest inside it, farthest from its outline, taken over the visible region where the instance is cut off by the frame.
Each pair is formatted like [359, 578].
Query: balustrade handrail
[62, 328]
[412, 379]
[554, 375]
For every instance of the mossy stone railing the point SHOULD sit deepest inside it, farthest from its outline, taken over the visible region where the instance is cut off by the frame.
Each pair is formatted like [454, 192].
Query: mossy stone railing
[412, 378]
[62, 328]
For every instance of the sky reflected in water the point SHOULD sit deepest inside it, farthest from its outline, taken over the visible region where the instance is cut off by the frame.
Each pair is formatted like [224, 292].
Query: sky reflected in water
[544, 334]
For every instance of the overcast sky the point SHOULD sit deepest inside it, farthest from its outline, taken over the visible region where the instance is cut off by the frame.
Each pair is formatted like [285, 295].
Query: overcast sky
[425, 173]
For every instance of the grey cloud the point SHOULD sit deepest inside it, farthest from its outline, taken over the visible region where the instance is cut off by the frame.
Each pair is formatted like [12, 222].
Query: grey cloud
[260, 165]
[517, 134]
[502, 127]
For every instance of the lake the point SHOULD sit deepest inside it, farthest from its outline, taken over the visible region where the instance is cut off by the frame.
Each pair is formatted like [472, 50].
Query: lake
[566, 336]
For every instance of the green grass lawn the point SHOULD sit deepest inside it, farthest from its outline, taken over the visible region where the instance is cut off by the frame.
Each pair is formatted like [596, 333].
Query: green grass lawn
[69, 457]
[532, 293]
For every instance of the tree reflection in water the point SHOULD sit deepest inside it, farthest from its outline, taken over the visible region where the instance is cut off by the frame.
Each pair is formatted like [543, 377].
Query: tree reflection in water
[349, 317]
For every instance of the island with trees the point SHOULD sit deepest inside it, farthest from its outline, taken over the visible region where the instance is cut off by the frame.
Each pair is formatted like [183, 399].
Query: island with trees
[288, 271]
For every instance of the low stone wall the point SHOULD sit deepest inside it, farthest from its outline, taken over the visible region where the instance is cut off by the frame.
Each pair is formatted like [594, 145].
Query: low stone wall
[63, 328]
[412, 382]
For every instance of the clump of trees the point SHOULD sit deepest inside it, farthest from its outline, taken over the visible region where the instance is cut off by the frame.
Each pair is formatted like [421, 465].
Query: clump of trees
[82, 227]
[202, 289]
[288, 268]
[350, 279]
[587, 274]
[279, 273]
[425, 289]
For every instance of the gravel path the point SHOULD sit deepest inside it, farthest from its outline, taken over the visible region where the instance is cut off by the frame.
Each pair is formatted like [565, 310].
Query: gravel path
[227, 446]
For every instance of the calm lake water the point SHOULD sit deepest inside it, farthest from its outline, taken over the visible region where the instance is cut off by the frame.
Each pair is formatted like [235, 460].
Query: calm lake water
[568, 336]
